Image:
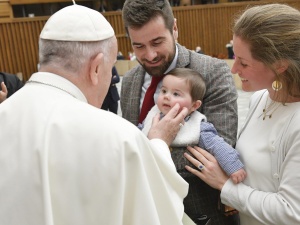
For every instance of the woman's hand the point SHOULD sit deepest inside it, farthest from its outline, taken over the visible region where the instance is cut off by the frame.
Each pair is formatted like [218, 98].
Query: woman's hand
[209, 169]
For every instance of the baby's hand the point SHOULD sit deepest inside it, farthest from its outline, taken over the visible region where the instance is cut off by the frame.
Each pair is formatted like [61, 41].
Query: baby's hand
[238, 176]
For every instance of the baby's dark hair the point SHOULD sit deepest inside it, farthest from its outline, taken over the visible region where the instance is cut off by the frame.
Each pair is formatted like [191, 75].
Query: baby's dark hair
[193, 79]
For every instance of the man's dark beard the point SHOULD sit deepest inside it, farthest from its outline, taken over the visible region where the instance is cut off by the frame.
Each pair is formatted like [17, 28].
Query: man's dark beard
[159, 70]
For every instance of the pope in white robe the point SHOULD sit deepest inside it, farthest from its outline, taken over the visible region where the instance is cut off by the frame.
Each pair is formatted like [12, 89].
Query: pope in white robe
[66, 162]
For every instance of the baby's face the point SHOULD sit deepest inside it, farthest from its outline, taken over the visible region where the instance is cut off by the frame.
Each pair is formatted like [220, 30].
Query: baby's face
[174, 90]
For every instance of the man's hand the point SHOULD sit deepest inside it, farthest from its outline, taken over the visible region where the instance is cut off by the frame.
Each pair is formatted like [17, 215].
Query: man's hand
[168, 127]
[3, 93]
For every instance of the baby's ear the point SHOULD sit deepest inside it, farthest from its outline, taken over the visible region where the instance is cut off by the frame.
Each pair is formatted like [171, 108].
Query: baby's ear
[196, 105]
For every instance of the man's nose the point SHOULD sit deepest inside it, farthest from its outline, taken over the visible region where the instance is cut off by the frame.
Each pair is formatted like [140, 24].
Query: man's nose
[151, 54]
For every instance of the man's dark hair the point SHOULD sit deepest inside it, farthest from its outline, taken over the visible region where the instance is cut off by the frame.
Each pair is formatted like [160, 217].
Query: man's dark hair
[136, 13]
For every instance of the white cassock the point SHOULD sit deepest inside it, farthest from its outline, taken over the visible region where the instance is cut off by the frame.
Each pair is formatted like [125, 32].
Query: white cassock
[65, 162]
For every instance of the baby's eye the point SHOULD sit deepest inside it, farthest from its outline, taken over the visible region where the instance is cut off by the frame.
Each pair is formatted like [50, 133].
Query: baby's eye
[176, 94]
[163, 91]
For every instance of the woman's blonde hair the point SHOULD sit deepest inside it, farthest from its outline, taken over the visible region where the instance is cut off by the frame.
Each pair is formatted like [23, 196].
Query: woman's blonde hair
[273, 34]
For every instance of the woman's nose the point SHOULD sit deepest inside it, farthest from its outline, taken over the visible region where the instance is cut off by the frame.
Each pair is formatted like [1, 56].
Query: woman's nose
[234, 68]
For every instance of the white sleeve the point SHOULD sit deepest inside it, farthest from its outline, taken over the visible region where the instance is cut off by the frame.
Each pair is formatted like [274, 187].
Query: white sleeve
[125, 172]
[266, 207]
[167, 187]
[161, 148]
[282, 206]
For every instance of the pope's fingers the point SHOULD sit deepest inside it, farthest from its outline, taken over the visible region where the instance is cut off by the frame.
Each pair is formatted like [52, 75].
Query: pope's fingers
[177, 116]
[165, 129]
[155, 119]
[182, 114]
[173, 112]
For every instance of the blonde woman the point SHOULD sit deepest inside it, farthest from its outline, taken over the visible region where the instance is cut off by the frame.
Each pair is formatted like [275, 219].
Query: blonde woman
[266, 43]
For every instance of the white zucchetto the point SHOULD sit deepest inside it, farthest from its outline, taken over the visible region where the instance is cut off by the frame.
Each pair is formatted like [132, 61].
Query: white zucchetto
[77, 23]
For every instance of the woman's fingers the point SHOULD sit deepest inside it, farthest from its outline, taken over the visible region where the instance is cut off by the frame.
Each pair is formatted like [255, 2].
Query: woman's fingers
[202, 155]
[194, 171]
[194, 161]
[208, 167]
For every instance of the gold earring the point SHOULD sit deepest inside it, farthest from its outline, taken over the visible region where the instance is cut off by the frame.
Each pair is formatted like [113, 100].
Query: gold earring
[276, 85]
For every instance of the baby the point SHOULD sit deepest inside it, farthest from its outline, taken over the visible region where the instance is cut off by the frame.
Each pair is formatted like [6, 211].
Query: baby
[187, 87]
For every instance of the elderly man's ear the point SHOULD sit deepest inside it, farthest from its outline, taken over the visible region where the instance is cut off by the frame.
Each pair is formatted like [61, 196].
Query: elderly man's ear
[96, 65]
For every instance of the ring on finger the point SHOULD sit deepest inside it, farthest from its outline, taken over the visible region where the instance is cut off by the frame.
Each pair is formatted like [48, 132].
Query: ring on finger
[201, 167]
[181, 125]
